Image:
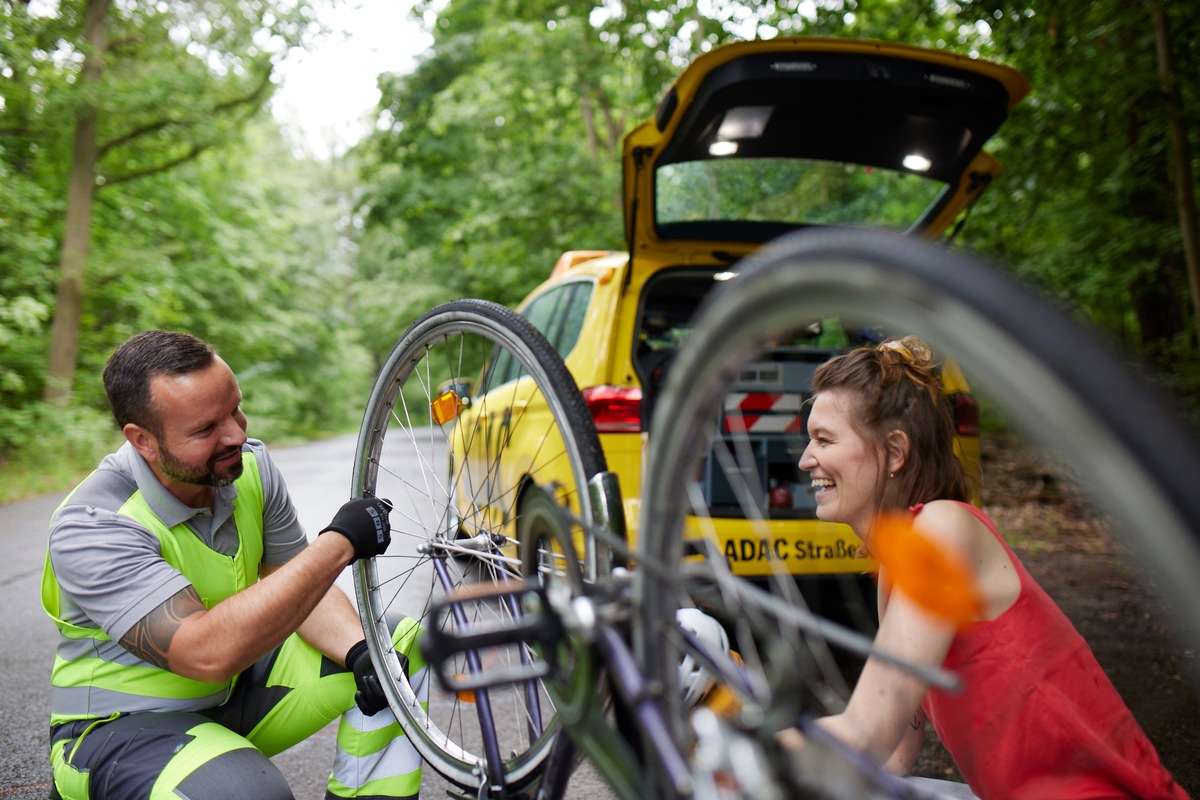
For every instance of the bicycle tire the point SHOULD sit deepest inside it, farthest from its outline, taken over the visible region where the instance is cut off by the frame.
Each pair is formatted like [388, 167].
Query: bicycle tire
[1072, 393]
[443, 510]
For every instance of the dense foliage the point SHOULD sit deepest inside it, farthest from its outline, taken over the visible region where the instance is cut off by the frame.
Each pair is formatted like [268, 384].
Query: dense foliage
[495, 154]
[201, 218]
[1087, 208]
[143, 183]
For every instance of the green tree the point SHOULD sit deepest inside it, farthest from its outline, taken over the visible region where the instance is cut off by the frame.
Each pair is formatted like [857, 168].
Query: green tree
[1097, 207]
[1087, 208]
[498, 153]
[502, 149]
[27, 203]
[141, 88]
[242, 242]
[245, 247]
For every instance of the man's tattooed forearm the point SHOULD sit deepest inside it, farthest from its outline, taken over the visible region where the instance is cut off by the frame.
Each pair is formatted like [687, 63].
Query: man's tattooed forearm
[150, 638]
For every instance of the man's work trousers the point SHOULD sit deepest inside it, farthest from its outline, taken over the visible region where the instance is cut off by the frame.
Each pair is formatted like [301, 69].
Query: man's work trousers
[224, 752]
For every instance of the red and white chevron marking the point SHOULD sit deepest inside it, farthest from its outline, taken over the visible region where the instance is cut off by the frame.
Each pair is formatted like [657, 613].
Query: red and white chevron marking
[763, 412]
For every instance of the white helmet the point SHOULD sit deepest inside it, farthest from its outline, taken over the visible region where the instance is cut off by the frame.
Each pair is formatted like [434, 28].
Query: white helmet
[694, 679]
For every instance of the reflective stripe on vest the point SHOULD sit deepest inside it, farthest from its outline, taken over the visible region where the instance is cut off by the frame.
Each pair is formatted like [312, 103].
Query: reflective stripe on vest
[94, 677]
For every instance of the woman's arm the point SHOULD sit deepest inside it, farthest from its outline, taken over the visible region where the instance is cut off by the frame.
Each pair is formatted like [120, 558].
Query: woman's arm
[910, 746]
[879, 717]
[883, 716]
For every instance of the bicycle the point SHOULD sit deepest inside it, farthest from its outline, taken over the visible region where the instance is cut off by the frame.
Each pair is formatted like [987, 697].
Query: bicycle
[569, 616]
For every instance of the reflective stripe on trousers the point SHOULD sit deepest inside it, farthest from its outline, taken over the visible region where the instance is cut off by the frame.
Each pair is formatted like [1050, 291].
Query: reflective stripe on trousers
[281, 700]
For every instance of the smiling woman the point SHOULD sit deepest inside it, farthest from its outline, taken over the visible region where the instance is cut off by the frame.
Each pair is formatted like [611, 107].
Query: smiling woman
[878, 418]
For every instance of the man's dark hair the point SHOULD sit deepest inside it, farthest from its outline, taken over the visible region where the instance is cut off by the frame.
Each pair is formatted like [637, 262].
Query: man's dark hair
[130, 368]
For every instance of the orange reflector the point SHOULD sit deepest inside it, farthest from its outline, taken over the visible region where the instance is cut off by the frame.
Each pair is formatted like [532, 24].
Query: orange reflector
[444, 407]
[465, 695]
[937, 581]
[721, 700]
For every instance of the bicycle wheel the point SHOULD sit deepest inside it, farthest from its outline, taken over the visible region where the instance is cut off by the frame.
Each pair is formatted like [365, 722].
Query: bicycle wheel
[473, 466]
[1060, 384]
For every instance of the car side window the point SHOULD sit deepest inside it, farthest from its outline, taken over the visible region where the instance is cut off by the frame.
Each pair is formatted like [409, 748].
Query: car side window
[498, 373]
[543, 312]
[559, 314]
[572, 313]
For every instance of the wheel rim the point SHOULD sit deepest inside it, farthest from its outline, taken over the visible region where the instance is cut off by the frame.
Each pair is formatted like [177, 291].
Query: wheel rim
[447, 731]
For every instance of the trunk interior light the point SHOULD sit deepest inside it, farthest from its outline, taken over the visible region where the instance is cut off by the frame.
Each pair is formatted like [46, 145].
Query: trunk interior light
[740, 122]
[615, 409]
[917, 162]
[744, 122]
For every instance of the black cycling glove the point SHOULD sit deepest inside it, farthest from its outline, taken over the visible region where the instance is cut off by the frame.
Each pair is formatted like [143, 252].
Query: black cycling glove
[364, 521]
[369, 697]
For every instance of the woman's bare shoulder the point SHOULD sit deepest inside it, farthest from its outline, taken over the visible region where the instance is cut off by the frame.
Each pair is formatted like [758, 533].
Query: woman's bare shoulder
[952, 523]
[954, 526]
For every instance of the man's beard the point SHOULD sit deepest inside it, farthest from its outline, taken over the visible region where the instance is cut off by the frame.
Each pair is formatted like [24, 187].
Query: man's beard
[207, 475]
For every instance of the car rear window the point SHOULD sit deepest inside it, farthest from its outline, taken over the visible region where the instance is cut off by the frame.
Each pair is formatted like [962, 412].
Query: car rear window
[733, 198]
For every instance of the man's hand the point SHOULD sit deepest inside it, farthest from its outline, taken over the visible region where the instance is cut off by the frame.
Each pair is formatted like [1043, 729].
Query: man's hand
[369, 697]
[364, 521]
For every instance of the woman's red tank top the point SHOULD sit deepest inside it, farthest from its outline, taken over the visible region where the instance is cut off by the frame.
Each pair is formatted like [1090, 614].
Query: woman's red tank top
[1037, 716]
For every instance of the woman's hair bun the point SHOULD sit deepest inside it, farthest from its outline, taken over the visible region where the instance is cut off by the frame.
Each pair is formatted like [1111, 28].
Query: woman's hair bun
[911, 349]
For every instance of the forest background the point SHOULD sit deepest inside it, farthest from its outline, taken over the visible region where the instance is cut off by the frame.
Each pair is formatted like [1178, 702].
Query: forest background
[144, 183]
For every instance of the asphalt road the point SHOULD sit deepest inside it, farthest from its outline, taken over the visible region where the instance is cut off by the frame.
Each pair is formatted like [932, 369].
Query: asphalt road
[318, 476]
[26, 651]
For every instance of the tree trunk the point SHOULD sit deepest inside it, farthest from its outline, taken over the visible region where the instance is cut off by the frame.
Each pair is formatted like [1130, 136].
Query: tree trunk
[1185, 199]
[68, 308]
[589, 122]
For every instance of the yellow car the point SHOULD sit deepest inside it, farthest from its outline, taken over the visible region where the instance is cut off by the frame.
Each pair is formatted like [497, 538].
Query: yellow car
[753, 140]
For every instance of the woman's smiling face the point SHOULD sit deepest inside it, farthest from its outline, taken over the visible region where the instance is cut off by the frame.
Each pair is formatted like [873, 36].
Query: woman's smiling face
[846, 470]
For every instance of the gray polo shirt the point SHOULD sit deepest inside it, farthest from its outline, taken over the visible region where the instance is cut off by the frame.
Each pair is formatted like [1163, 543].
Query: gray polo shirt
[111, 569]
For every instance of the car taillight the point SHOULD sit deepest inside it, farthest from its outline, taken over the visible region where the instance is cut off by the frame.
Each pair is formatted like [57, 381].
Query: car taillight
[615, 409]
[966, 414]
